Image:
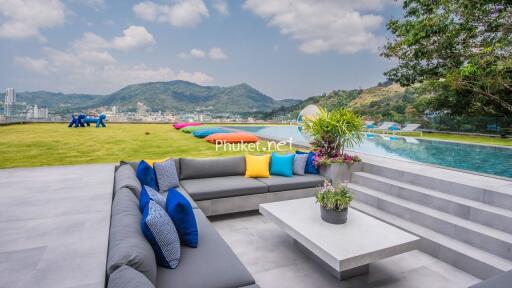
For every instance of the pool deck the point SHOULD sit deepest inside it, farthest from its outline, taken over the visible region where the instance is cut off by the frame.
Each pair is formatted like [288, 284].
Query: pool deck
[54, 225]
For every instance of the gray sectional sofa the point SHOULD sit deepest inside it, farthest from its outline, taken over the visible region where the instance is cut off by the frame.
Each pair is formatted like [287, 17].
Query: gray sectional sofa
[213, 186]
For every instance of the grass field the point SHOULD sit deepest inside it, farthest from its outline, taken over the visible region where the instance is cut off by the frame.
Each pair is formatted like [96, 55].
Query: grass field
[27, 145]
[54, 144]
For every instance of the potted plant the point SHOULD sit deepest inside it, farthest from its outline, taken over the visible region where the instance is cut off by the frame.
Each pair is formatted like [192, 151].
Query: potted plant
[332, 132]
[334, 203]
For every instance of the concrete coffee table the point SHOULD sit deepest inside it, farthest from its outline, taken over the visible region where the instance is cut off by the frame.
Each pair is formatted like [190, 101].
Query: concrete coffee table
[345, 250]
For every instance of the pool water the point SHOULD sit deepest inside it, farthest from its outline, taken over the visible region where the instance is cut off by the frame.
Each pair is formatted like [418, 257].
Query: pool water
[478, 158]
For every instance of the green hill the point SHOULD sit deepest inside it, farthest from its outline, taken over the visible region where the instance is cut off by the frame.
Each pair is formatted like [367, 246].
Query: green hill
[175, 96]
[386, 100]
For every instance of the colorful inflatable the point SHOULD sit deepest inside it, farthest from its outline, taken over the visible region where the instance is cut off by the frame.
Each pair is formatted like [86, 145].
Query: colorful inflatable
[201, 133]
[83, 120]
[191, 129]
[180, 125]
[235, 137]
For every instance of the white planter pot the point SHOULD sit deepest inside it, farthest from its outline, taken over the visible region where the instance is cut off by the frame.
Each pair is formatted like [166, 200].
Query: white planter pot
[339, 172]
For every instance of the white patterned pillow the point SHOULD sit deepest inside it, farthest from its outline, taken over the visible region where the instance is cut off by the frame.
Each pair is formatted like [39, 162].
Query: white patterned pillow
[166, 175]
[161, 233]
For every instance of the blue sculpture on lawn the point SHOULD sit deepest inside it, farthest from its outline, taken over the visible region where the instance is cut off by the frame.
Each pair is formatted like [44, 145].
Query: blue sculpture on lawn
[82, 120]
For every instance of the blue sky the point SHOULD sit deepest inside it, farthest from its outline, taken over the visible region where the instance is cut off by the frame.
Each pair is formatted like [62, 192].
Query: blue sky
[285, 48]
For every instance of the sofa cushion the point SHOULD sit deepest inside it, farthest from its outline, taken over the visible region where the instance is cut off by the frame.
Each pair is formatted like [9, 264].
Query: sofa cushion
[127, 245]
[280, 183]
[125, 177]
[184, 193]
[127, 277]
[257, 166]
[299, 164]
[161, 233]
[221, 187]
[310, 166]
[182, 214]
[146, 175]
[211, 167]
[212, 264]
[282, 165]
[148, 194]
[135, 164]
[166, 174]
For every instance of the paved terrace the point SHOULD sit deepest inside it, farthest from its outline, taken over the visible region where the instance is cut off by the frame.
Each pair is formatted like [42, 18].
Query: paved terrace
[54, 225]
[54, 233]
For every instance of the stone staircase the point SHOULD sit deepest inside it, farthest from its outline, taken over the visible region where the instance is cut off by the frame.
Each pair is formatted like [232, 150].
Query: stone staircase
[463, 219]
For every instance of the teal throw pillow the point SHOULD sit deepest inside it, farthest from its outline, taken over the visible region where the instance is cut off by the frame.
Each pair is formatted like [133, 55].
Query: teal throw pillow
[282, 165]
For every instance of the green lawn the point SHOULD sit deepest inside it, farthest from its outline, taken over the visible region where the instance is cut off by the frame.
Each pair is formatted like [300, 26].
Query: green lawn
[29, 145]
[55, 144]
[469, 139]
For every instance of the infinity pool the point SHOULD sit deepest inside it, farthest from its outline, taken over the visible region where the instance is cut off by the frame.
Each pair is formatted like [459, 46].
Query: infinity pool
[478, 158]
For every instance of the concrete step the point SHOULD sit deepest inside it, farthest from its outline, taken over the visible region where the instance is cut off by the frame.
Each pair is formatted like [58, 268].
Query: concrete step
[447, 181]
[472, 210]
[478, 235]
[472, 260]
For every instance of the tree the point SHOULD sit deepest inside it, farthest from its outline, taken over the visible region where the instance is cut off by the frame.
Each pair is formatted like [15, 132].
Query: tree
[461, 50]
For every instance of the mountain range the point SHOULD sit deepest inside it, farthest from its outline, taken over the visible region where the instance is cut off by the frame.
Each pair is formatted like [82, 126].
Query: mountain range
[174, 96]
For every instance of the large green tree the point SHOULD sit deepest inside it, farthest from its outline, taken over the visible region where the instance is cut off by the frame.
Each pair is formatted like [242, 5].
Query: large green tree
[460, 49]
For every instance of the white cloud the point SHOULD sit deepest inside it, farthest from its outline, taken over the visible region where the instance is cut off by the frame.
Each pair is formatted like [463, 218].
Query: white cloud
[196, 77]
[217, 54]
[26, 18]
[87, 65]
[221, 6]
[133, 37]
[197, 53]
[94, 4]
[34, 65]
[181, 13]
[333, 25]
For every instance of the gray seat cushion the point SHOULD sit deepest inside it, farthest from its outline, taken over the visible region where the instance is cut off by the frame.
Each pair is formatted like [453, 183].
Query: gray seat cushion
[125, 177]
[211, 167]
[127, 245]
[212, 264]
[184, 193]
[222, 187]
[281, 183]
[127, 277]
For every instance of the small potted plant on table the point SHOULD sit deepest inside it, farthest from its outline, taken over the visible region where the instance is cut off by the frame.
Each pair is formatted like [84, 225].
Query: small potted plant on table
[333, 132]
[334, 203]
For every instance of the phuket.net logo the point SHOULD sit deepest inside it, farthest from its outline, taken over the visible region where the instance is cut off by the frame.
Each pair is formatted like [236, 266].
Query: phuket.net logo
[260, 146]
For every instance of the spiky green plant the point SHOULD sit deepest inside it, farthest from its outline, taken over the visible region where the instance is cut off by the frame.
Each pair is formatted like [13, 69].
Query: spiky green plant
[335, 130]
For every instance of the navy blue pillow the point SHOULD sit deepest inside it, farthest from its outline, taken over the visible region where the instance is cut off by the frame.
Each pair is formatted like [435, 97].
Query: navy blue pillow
[310, 167]
[161, 233]
[147, 193]
[146, 175]
[182, 214]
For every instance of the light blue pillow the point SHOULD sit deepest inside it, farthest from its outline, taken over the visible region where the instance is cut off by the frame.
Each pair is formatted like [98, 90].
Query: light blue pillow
[282, 165]
[161, 233]
[146, 194]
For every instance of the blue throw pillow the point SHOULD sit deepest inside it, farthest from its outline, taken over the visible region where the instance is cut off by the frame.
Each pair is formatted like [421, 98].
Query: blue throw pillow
[146, 194]
[282, 165]
[146, 175]
[310, 167]
[182, 214]
[161, 233]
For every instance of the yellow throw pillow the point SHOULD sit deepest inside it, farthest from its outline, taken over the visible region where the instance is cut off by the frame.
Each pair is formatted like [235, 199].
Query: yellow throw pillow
[257, 166]
[150, 162]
